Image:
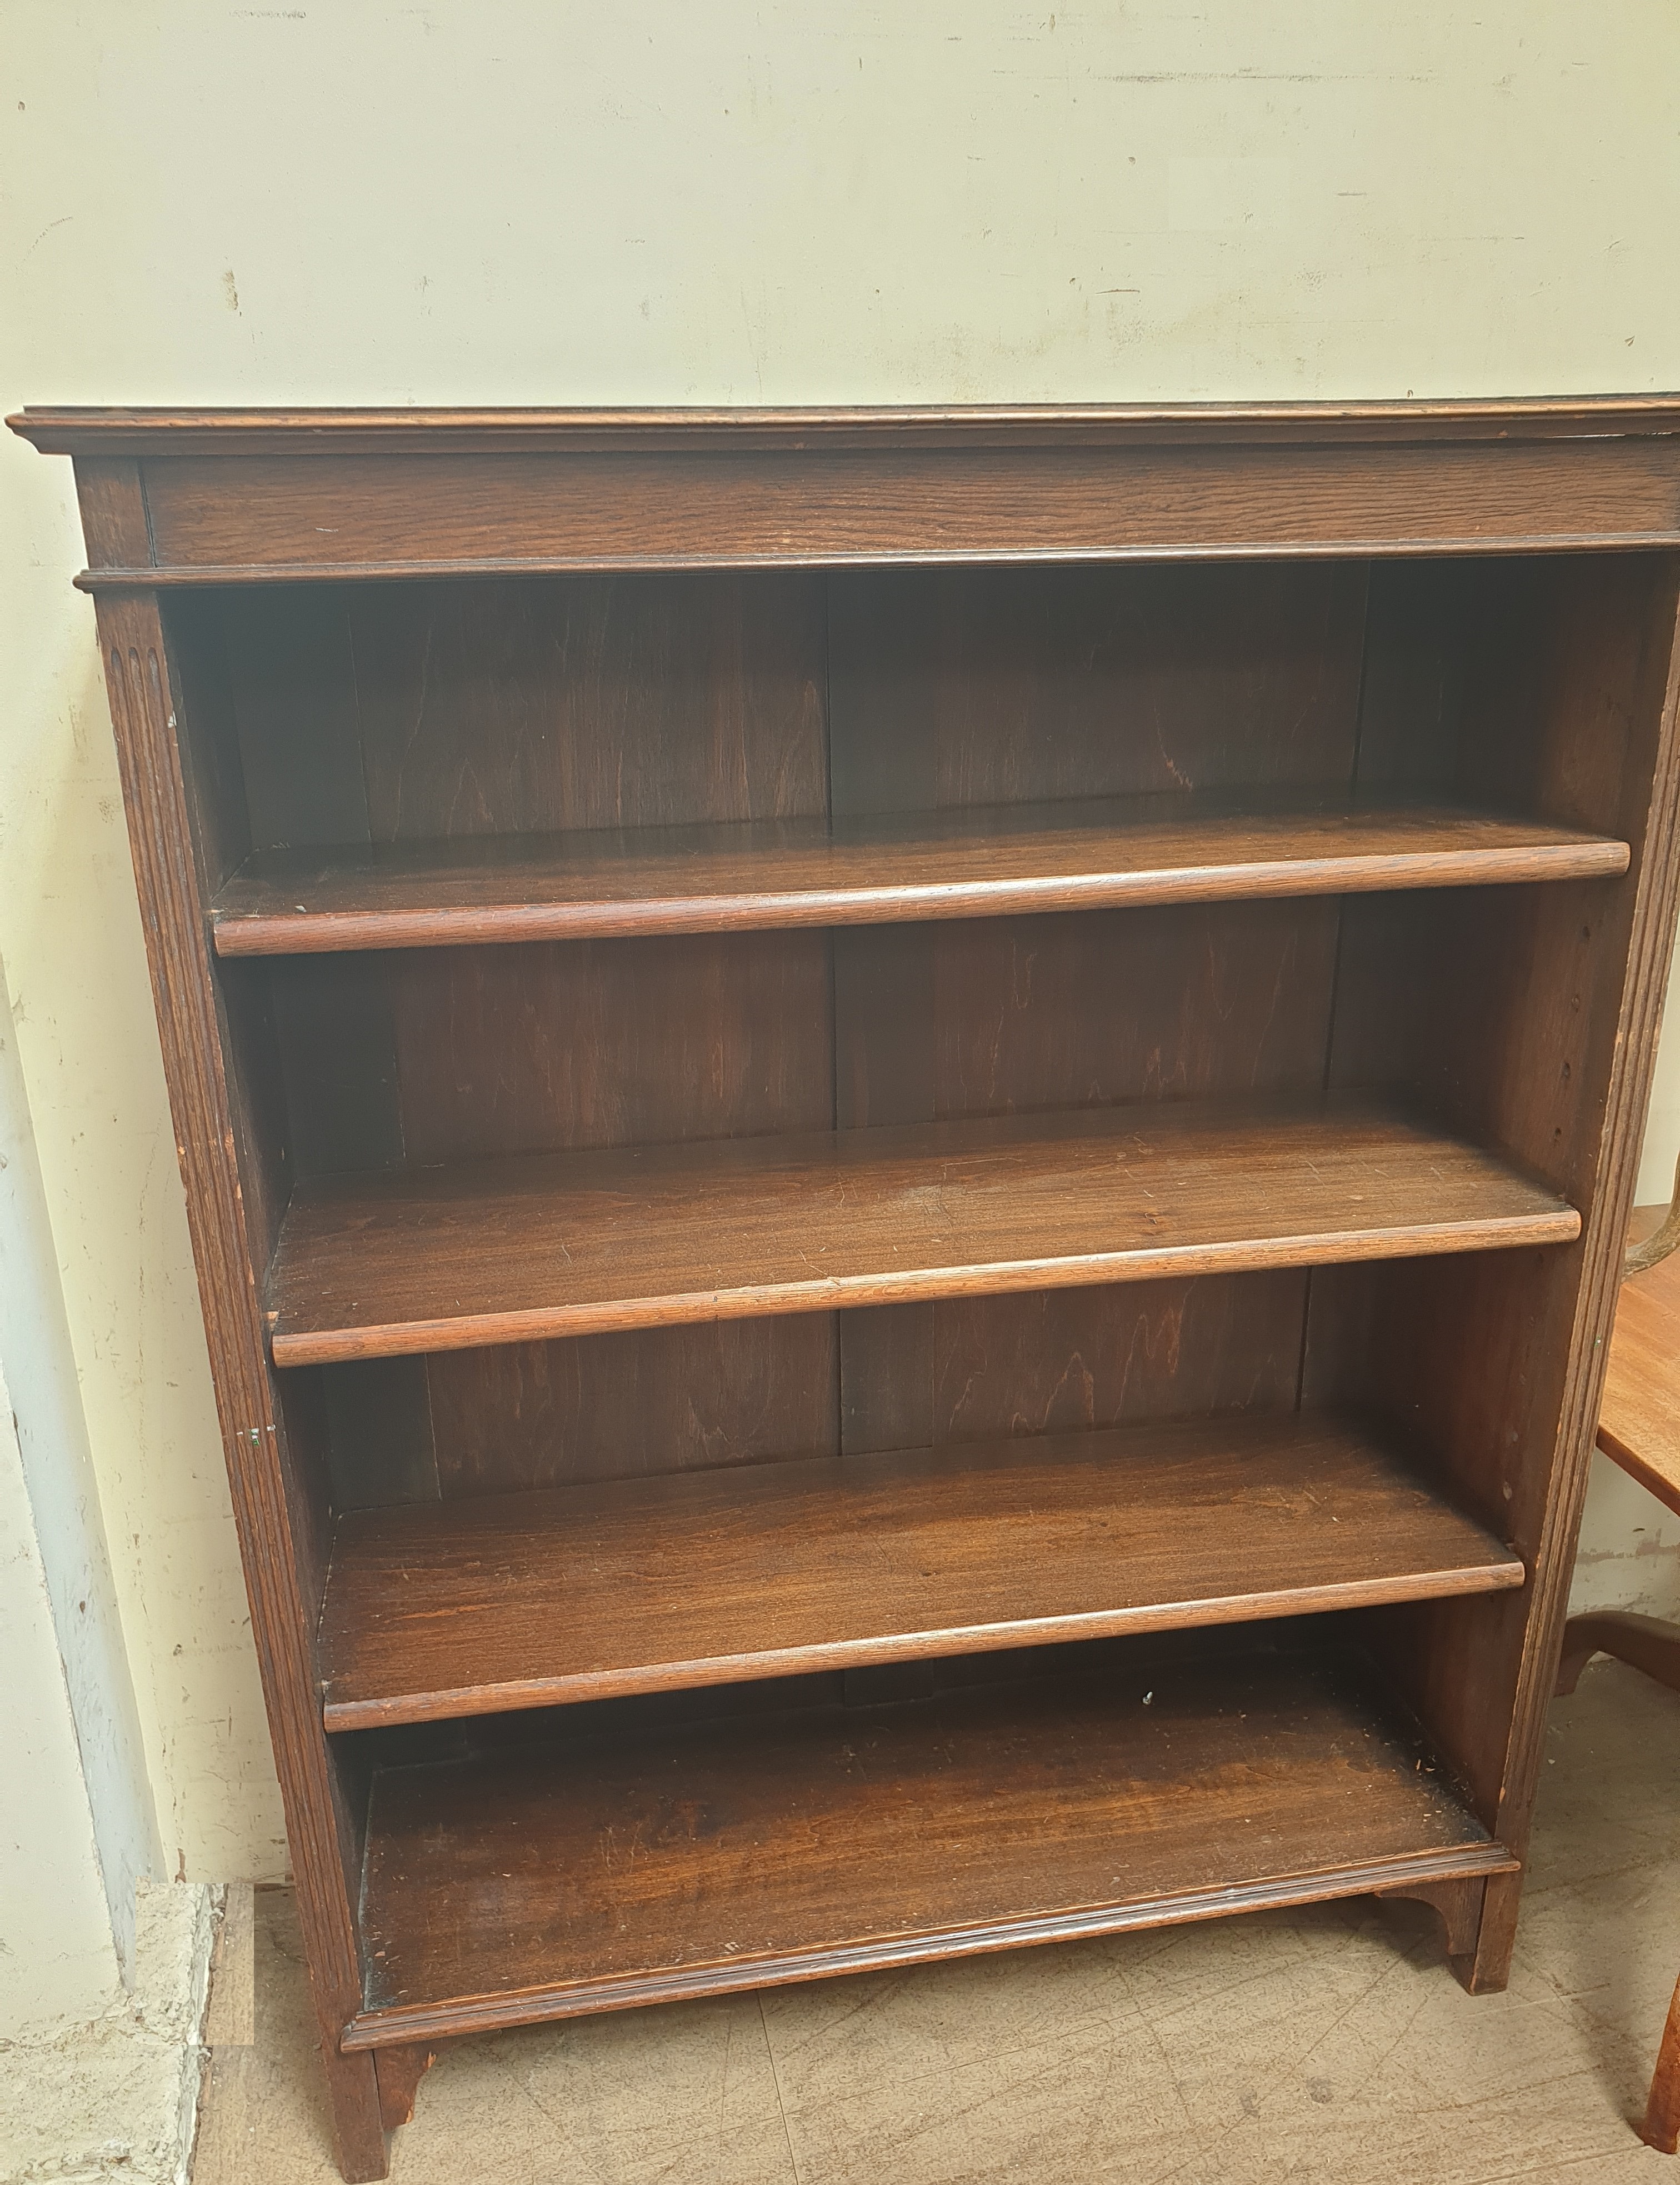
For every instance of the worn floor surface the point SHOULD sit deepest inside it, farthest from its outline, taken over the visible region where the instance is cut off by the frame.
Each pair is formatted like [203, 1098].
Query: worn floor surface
[112, 2098]
[1325, 2044]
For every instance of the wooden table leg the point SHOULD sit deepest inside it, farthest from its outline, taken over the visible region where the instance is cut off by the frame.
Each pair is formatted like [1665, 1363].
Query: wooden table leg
[1650, 1644]
[1662, 2126]
[1645, 1642]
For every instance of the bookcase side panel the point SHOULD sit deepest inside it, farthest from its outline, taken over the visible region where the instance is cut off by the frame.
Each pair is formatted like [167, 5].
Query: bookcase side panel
[1527, 1018]
[272, 1503]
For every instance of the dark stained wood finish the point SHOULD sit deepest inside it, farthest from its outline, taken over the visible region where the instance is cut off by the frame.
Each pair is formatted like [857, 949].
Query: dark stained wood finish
[521, 1600]
[492, 708]
[1542, 1038]
[400, 2071]
[995, 1017]
[632, 1404]
[640, 1867]
[583, 704]
[439, 1055]
[964, 1369]
[1459, 1904]
[704, 880]
[645, 1401]
[417, 713]
[597, 1044]
[586, 490]
[504, 1252]
[963, 689]
[1305, 610]
[951, 690]
[227, 1197]
[228, 519]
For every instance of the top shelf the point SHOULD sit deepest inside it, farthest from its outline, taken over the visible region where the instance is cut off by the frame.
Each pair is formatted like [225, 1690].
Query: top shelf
[995, 862]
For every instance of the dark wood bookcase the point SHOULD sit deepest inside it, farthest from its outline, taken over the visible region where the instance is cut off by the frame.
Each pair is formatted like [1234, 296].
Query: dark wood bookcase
[908, 1134]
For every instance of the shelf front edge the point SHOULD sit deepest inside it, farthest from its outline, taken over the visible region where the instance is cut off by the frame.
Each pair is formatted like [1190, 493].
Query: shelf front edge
[487, 1330]
[510, 1697]
[382, 2028]
[274, 933]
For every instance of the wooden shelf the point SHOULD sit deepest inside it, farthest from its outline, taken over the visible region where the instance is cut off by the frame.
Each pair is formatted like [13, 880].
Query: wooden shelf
[971, 864]
[515, 1250]
[576, 1876]
[635, 1585]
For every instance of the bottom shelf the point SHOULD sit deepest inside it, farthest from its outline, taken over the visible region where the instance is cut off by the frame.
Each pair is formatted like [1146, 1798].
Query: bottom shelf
[570, 1874]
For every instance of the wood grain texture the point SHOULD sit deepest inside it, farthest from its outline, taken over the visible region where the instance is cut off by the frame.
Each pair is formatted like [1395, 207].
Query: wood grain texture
[636, 1869]
[505, 1252]
[1640, 1415]
[963, 1369]
[492, 709]
[427, 713]
[575, 1044]
[1008, 1016]
[706, 880]
[641, 1402]
[955, 690]
[226, 519]
[112, 504]
[521, 1600]
[457, 1054]
[441, 712]
[964, 687]
[632, 1404]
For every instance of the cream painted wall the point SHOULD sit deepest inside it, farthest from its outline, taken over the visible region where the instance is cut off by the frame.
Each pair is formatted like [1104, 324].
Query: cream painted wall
[1657, 1177]
[67, 1543]
[534, 201]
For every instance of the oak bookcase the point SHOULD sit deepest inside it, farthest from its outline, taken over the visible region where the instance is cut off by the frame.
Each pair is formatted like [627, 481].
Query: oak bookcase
[907, 1135]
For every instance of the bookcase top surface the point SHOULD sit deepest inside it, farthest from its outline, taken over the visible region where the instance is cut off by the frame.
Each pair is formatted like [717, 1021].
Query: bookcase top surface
[79, 430]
